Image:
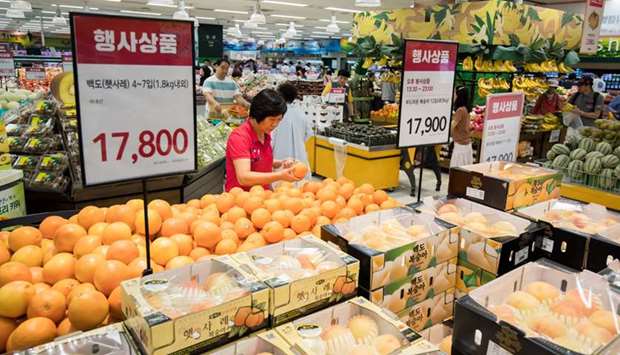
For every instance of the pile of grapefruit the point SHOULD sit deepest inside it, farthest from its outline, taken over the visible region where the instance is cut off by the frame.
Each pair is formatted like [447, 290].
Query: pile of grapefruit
[64, 275]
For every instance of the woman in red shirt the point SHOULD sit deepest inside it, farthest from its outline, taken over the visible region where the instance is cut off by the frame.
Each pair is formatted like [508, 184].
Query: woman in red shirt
[548, 102]
[249, 155]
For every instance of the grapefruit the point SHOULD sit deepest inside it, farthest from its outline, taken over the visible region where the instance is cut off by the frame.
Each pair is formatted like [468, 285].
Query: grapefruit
[88, 310]
[50, 224]
[49, 304]
[60, 266]
[109, 275]
[32, 332]
[23, 236]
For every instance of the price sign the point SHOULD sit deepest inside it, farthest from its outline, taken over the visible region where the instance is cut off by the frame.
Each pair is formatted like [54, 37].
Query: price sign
[502, 126]
[426, 93]
[336, 95]
[135, 96]
[591, 26]
[35, 74]
[67, 63]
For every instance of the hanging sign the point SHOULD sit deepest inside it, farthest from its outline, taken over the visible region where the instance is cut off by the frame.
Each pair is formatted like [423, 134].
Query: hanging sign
[337, 95]
[35, 73]
[427, 87]
[134, 80]
[591, 26]
[502, 127]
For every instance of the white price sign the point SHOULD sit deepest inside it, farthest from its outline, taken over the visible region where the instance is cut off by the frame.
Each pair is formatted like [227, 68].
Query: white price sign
[591, 26]
[426, 93]
[502, 127]
[35, 74]
[7, 65]
[135, 93]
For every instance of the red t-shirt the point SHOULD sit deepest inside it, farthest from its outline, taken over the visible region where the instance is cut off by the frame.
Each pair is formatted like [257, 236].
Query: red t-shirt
[243, 143]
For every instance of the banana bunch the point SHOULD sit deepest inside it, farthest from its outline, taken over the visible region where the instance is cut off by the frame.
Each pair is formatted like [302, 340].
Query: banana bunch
[468, 64]
[550, 122]
[548, 66]
[531, 87]
[391, 77]
[487, 86]
[565, 69]
[483, 65]
[568, 107]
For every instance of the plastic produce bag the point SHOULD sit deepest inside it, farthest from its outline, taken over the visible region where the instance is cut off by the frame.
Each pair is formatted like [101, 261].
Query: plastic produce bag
[340, 155]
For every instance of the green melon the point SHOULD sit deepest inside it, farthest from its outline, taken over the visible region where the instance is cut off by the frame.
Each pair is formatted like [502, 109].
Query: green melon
[617, 151]
[578, 154]
[587, 144]
[617, 171]
[560, 149]
[548, 164]
[572, 141]
[561, 162]
[551, 155]
[575, 169]
[593, 166]
[604, 148]
[606, 179]
[610, 161]
[594, 154]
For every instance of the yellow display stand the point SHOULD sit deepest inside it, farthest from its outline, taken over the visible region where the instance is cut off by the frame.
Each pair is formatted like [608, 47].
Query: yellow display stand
[310, 152]
[586, 194]
[377, 166]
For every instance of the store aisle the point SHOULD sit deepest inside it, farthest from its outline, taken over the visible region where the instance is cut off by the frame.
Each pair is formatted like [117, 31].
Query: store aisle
[428, 186]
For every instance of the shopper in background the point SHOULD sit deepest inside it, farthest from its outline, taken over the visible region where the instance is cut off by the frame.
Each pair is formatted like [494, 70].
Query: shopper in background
[327, 76]
[338, 92]
[289, 138]
[205, 72]
[219, 89]
[588, 104]
[249, 154]
[549, 101]
[462, 154]
[614, 106]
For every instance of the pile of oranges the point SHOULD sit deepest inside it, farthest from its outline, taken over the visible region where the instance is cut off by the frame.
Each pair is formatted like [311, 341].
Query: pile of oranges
[64, 275]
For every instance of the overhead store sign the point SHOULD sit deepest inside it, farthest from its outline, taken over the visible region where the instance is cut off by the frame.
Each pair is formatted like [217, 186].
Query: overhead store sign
[611, 18]
[135, 96]
[502, 127]
[427, 87]
[591, 26]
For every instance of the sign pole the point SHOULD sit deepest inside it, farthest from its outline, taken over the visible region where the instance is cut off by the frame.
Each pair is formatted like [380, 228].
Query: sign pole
[147, 236]
[422, 153]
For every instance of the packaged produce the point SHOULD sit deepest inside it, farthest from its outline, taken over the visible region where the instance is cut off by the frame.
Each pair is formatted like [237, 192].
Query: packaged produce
[429, 312]
[54, 162]
[192, 308]
[440, 335]
[569, 227]
[50, 181]
[303, 275]
[393, 244]
[26, 162]
[353, 327]
[265, 343]
[504, 185]
[539, 308]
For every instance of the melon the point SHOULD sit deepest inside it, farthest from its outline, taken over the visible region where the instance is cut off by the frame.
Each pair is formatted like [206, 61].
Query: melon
[551, 155]
[617, 151]
[610, 161]
[604, 148]
[607, 179]
[561, 162]
[587, 144]
[593, 166]
[572, 141]
[560, 149]
[594, 154]
[575, 169]
[63, 89]
[617, 171]
[578, 154]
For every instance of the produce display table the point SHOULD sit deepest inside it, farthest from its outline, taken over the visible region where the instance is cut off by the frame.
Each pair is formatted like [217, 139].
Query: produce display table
[586, 194]
[378, 166]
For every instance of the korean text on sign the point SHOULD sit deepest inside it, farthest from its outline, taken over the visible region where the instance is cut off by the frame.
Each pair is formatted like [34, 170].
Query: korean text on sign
[147, 43]
[431, 56]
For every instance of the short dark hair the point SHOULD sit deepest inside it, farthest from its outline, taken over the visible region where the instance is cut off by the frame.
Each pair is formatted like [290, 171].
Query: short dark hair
[462, 98]
[267, 103]
[345, 73]
[222, 60]
[288, 91]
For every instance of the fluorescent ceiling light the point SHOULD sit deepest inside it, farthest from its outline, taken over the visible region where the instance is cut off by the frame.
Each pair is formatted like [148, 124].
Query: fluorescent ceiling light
[205, 18]
[141, 13]
[161, 2]
[288, 16]
[12, 13]
[48, 12]
[339, 9]
[321, 33]
[71, 6]
[168, 5]
[231, 11]
[337, 21]
[367, 3]
[286, 25]
[240, 21]
[113, 0]
[286, 3]
[21, 5]
[321, 37]
[262, 32]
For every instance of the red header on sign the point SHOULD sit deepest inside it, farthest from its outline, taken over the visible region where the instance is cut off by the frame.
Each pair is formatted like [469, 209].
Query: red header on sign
[123, 40]
[430, 56]
[596, 3]
[503, 106]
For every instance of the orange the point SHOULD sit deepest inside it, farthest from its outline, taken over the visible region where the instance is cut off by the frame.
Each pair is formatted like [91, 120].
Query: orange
[65, 286]
[207, 234]
[301, 223]
[97, 228]
[23, 236]
[162, 207]
[227, 225]
[256, 239]
[241, 197]
[85, 267]
[294, 192]
[225, 246]
[32, 332]
[29, 255]
[224, 202]
[206, 200]
[121, 213]
[272, 205]
[367, 189]
[344, 180]
[90, 215]
[173, 226]
[235, 191]
[390, 203]
[234, 214]
[371, 208]
[210, 216]
[379, 197]
[136, 204]
[65, 328]
[326, 194]
[244, 227]
[60, 266]
[123, 250]
[88, 310]
[346, 190]
[50, 304]
[311, 186]
[163, 249]
[316, 230]
[115, 231]
[273, 232]
[138, 265]
[340, 201]
[115, 304]
[14, 271]
[109, 275]
[155, 221]
[252, 203]
[193, 203]
[101, 250]
[346, 213]
[329, 209]
[67, 236]
[356, 205]
[300, 170]
[73, 219]
[79, 289]
[14, 298]
[198, 252]
[86, 245]
[187, 217]
[322, 220]
[5, 255]
[257, 190]
[7, 326]
[283, 217]
[184, 242]
[40, 286]
[245, 246]
[260, 217]
[230, 235]
[37, 274]
[289, 234]
[179, 261]
[294, 205]
[50, 224]
[138, 240]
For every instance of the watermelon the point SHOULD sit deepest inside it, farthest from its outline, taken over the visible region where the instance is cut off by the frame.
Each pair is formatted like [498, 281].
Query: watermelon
[575, 169]
[587, 144]
[578, 154]
[617, 171]
[560, 149]
[593, 166]
[551, 155]
[561, 162]
[594, 154]
[604, 148]
[572, 141]
[610, 161]
[617, 151]
[548, 164]
[607, 180]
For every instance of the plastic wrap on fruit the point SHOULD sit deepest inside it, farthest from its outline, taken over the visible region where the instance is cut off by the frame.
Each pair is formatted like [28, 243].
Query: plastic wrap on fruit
[295, 263]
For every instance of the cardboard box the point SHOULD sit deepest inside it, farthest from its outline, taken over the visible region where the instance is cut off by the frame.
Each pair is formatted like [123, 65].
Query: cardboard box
[469, 277]
[604, 248]
[564, 242]
[440, 335]
[553, 324]
[265, 342]
[429, 312]
[504, 185]
[195, 308]
[406, 292]
[379, 268]
[304, 333]
[294, 295]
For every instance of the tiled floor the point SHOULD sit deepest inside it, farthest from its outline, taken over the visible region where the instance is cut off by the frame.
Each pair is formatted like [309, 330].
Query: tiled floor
[428, 186]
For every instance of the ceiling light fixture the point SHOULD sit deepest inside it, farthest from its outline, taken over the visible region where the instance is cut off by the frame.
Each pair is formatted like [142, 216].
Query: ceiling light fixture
[250, 24]
[288, 16]
[340, 9]
[337, 21]
[413, 4]
[231, 11]
[12, 13]
[180, 13]
[367, 3]
[71, 6]
[21, 5]
[160, 2]
[257, 16]
[141, 13]
[205, 18]
[58, 19]
[286, 3]
[291, 31]
[333, 26]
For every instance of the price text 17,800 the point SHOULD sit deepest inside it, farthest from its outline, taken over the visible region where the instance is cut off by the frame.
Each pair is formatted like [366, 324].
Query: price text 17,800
[150, 143]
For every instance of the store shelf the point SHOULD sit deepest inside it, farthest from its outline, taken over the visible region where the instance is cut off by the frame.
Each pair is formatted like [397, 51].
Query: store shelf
[586, 194]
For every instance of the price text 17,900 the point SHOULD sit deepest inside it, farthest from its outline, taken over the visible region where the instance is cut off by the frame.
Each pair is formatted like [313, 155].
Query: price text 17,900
[427, 125]
[150, 143]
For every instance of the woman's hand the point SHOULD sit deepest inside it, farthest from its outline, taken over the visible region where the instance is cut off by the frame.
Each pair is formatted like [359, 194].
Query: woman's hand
[284, 164]
[287, 175]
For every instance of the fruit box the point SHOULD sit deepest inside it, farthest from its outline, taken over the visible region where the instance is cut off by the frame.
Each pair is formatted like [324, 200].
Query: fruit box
[303, 275]
[436, 244]
[539, 308]
[504, 185]
[569, 228]
[356, 324]
[429, 312]
[409, 291]
[469, 277]
[439, 334]
[489, 239]
[194, 308]
[264, 343]
[604, 248]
